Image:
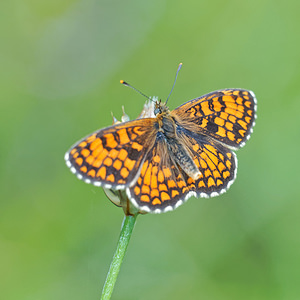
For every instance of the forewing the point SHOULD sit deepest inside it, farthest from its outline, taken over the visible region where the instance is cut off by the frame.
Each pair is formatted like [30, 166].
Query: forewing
[111, 157]
[161, 186]
[225, 115]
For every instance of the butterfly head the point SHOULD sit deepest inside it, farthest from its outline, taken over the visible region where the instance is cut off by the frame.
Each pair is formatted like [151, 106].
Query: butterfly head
[160, 108]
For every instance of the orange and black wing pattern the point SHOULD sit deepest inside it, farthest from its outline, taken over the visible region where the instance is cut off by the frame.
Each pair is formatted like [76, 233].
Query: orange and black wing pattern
[217, 165]
[226, 115]
[163, 186]
[111, 157]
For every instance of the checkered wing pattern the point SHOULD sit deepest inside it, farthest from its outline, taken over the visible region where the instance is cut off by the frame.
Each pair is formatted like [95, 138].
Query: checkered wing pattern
[226, 115]
[217, 164]
[161, 185]
[111, 157]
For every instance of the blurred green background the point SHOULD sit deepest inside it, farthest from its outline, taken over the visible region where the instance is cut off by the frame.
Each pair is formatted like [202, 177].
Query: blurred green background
[61, 62]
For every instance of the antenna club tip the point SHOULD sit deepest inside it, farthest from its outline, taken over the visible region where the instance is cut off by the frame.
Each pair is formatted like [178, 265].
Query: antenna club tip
[122, 81]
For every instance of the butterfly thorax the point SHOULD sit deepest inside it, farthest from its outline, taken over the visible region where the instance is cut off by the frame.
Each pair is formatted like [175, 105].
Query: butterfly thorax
[168, 135]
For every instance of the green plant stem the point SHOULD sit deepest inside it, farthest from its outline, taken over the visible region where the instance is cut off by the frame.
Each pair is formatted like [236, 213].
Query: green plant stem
[126, 231]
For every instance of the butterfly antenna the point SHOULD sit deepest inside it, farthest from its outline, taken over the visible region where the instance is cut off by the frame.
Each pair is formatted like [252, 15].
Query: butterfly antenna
[127, 84]
[179, 67]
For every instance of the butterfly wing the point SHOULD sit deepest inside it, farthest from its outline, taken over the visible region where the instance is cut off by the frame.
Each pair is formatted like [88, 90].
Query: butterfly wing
[216, 162]
[111, 157]
[225, 115]
[161, 185]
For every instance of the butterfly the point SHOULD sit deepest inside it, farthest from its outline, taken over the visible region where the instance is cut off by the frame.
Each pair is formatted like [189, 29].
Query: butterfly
[162, 160]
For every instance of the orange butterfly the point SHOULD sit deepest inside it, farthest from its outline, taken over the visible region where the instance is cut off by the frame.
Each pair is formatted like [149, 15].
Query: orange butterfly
[163, 160]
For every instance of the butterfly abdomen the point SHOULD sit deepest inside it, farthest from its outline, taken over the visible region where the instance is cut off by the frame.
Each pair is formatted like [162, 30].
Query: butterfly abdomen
[183, 158]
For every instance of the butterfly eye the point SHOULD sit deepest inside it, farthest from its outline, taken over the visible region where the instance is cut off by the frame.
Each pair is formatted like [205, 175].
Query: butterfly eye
[158, 107]
[157, 110]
